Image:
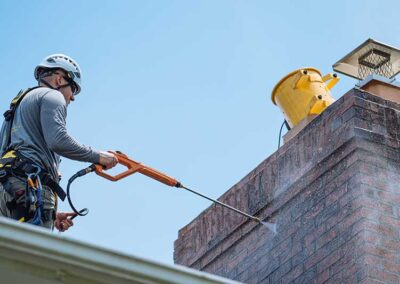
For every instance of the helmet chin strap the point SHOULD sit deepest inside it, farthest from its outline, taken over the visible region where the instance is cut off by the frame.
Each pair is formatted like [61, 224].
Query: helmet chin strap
[42, 80]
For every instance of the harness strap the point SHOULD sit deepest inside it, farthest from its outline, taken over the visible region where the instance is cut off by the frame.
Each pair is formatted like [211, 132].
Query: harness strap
[45, 178]
[14, 163]
[49, 181]
[9, 114]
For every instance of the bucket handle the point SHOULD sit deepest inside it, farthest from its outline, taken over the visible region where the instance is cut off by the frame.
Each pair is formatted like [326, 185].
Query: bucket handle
[304, 77]
[333, 80]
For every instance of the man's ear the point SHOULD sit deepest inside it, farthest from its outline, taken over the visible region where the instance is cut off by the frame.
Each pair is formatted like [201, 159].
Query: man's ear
[58, 80]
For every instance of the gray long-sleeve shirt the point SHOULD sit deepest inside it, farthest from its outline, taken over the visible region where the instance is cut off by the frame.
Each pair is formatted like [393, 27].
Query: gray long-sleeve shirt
[39, 131]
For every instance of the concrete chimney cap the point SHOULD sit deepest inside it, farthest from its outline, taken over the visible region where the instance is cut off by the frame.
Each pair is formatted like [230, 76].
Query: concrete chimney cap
[371, 57]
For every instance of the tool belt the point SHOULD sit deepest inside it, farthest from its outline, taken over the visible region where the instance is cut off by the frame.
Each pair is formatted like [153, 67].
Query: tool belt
[14, 164]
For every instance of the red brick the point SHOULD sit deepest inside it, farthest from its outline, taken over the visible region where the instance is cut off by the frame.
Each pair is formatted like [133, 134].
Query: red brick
[372, 237]
[386, 231]
[295, 249]
[371, 281]
[349, 271]
[331, 259]
[293, 274]
[380, 252]
[391, 244]
[378, 205]
[210, 256]
[312, 235]
[380, 275]
[335, 195]
[237, 260]
[326, 238]
[314, 259]
[388, 196]
[395, 223]
[391, 267]
[372, 260]
[356, 216]
[322, 277]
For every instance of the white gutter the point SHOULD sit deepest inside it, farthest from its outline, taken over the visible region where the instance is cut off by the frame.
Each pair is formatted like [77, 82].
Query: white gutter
[29, 254]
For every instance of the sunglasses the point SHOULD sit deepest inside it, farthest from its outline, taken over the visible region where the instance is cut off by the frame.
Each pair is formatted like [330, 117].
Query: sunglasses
[74, 87]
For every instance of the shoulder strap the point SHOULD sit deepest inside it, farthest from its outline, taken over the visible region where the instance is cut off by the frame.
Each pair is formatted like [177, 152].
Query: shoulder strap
[9, 114]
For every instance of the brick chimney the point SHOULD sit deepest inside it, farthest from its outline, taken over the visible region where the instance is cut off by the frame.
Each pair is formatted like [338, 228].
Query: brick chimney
[334, 192]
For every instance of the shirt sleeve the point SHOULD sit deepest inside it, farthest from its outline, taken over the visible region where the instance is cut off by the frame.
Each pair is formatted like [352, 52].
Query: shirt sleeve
[53, 113]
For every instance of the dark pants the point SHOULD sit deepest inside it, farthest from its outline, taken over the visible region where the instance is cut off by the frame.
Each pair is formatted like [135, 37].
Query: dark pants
[14, 187]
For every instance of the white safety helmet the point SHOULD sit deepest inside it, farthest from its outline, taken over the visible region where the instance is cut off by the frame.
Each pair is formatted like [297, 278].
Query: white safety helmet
[64, 62]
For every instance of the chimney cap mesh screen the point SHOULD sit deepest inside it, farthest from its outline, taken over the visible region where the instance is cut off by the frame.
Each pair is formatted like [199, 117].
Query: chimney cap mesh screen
[375, 62]
[371, 57]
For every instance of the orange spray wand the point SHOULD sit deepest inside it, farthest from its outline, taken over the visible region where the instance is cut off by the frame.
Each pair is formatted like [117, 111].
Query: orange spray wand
[136, 167]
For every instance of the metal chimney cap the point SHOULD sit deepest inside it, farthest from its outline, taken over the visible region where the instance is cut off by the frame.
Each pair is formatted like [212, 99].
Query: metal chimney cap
[371, 57]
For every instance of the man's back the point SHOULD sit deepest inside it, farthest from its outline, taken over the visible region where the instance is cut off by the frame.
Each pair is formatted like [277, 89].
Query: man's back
[39, 131]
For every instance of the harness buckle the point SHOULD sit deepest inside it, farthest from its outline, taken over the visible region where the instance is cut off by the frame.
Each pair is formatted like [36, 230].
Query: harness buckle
[35, 174]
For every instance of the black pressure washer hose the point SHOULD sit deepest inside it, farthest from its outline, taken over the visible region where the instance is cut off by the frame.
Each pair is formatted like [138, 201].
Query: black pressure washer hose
[84, 211]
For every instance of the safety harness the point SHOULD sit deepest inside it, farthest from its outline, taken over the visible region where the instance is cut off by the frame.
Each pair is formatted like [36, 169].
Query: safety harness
[13, 163]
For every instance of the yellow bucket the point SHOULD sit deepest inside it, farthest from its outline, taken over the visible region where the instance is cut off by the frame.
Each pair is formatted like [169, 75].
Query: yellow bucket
[302, 93]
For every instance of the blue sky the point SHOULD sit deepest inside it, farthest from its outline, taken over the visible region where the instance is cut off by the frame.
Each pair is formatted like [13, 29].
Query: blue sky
[182, 86]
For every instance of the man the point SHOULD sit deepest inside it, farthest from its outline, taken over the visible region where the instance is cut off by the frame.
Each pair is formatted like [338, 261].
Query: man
[33, 140]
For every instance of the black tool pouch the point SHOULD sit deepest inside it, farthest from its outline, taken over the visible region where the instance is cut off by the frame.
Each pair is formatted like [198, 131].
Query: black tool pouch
[17, 201]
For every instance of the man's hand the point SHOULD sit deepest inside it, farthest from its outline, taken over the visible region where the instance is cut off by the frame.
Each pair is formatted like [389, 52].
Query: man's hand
[108, 160]
[62, 222]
